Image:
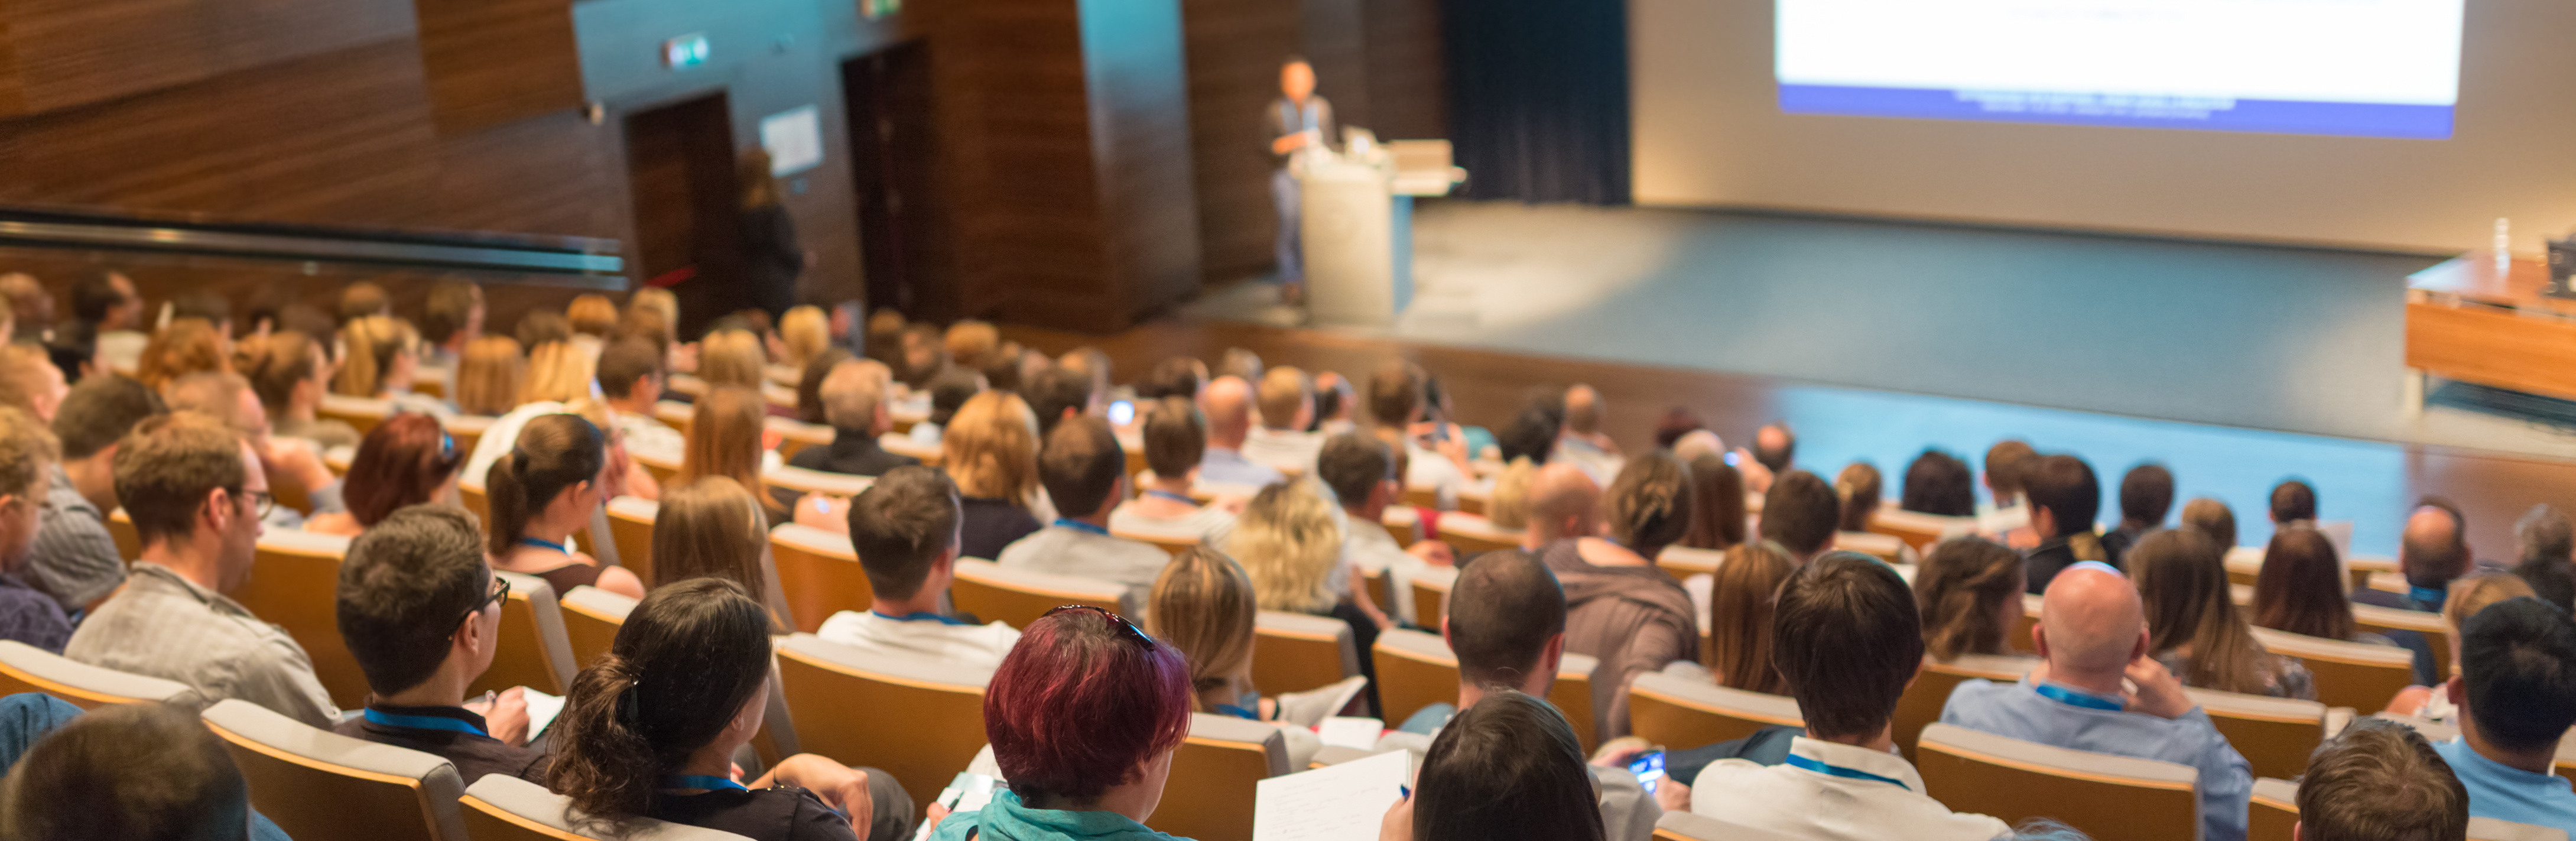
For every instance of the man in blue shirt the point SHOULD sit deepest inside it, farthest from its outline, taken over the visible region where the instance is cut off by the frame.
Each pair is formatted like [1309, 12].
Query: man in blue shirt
[1227, 402]
[2516, 693]
[2431, 554]
[2093, 636]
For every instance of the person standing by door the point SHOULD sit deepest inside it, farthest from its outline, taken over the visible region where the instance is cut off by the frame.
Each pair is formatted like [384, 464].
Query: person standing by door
[1299, 121]
[771, 259]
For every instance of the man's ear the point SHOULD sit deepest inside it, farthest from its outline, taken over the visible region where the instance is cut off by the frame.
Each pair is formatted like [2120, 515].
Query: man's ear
[2145, 645]
[2039, 638]
[2456, 689]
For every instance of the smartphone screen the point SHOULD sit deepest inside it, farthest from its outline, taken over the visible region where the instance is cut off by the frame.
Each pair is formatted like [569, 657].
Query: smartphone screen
[1649, 768]
[1733, 460]
[1122, 413]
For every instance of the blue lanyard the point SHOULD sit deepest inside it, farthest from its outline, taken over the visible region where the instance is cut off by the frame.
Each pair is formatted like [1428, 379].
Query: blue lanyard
[1078, 525]
[1180, 498]
[424, 722]
[544, 544]
[701, 781]
[1839, 771]
[1238, 712]
[2086, 700]
[2427, 595]
[924, 616]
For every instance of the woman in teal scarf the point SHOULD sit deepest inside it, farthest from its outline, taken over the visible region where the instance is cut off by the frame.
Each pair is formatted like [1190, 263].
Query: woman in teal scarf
[1083, 715]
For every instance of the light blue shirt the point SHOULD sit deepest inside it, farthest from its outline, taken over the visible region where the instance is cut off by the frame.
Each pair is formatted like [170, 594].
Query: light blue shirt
[2506, 793]
[2019, 711]
[1007, 817]
[1228, 467]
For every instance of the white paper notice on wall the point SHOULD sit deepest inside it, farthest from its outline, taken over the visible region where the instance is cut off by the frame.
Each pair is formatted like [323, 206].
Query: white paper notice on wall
[794, 140]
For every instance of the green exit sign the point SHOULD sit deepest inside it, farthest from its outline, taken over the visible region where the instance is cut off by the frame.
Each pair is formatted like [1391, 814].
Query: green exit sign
[685, 51]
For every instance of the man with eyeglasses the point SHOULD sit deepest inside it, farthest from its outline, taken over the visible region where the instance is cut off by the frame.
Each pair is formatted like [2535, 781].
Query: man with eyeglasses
[421, 612]
[196, 494]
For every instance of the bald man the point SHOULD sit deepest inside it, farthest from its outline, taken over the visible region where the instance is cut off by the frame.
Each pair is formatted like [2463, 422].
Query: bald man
[2431, 554]
[1286, 398]
[1580, 440]
[2092, 635]
[1227, 402]
[1564, 504]
[1775, 451]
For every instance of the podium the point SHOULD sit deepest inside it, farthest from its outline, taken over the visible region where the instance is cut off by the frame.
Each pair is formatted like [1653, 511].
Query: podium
[1357, 213]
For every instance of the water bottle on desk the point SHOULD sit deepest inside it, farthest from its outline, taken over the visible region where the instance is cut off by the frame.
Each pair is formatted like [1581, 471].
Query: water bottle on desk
[2503, 245]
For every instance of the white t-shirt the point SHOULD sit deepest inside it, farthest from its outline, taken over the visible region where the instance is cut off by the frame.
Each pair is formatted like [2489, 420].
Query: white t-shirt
[1834, 804]
[928, 635]
[1373, 550]
[1209, 523]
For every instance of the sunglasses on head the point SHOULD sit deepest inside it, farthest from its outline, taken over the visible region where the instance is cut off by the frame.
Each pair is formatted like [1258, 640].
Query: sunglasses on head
[1120, 622]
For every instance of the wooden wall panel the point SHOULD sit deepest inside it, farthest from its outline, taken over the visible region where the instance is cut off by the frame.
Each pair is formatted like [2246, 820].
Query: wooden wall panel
[497, 61]
[76, 52]
[1008, 80]
[1408, 85]
[1137, 79]
[1335, 41]
[1234, 47]
[552, 174]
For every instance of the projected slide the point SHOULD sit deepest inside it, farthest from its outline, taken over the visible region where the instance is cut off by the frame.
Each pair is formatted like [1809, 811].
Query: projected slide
[2378, 68]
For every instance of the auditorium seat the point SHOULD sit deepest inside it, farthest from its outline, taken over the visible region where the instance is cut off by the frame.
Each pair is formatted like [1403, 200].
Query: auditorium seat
[903, 445]
[2020, 639]
[1886, 548]
[1691, 826]
[1684, 712]
[2245, 564]
[662, 465]
[1376, 583]
[1683, 562]
[795, 435]
[673, 413]
[1473, 535]
[783, 397]
[294, 585]
[2111, 798]
[26, 668]
[805, 481]
[1403, 524]
[630, 528]
[505, 808]
[319, 784]
[819, 574]
[1209, 793]
[1431, 594]
[920, 720]
[1918, 529]
[469, 493]
[591, 618]
[2382, 620]
[533, 650]
[339, 458]
[1930, 691]
[688, 384]
[1476, 497]
[1294, 652]
[364, 413]
[120, 529]
[2276, 735]
[1416, 669]
[1019, 596]
[1172, 541]
[2362, 676]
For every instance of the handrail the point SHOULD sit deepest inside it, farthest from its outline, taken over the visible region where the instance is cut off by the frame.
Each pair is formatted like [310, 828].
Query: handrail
[595, 261]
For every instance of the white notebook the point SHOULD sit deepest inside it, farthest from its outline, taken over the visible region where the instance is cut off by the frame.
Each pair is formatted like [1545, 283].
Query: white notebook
[1345, 802]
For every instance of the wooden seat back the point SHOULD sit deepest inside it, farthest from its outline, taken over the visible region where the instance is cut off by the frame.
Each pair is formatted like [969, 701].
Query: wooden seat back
[2111, 798]
[1923, 700]
[819, 574]
[1672, 711]
[1019, 597]
[921, 721]
[320, 784]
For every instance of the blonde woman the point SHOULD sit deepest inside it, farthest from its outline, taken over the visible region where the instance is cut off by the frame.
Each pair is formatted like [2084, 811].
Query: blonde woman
[714, 528]
[558, 372]
[1508, 509]
[1202, 605]
[731, 358]
[489, 375]
[805, 331]
[1287, 540]
[991, 449]
[384, 358]
[726, 438]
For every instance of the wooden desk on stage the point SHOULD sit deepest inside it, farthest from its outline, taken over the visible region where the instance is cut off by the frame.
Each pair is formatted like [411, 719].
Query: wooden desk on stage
[2466, 321]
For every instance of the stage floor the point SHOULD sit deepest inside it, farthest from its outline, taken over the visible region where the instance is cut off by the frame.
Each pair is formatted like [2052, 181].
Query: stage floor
[2294, 340]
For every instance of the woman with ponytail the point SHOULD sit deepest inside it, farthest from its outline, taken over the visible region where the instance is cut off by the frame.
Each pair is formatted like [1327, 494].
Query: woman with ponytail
[384, 357]
[651, 728]
[544, 491]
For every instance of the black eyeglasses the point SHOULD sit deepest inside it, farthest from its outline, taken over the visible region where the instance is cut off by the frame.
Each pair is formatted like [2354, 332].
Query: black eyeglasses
[261, 502]
[1133, 632]
[500, 590]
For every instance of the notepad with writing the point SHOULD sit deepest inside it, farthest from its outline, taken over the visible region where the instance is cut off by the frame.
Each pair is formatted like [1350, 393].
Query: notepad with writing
[1343, 802]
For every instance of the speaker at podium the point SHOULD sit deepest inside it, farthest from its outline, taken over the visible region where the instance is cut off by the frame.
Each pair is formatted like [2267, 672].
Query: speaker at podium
[1357, 216]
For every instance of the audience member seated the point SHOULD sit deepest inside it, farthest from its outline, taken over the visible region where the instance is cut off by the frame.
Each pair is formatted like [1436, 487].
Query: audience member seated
[1227, 403]
[630, 382]
[1286, 399]
[2468, 596]
[130, 772]
[421, 613]
[1509, 506]
[450, 319]
[1175, 439]
[1858, 487]
[1291, 548]
[288, 370]
[1506, 625]
[1439, 461]
[190, 346]
[2376, 780]
[2300, 588]
[1083, 717]
[809, 384]
[383, 360]
[196, 497]
[2212, 519]
[2293, 502]
[991, 450]
[1717, 504]
[1739, 619]
[1336, 405]
[854, 401]
[713, 528]
[1798, 512]
[1939, 484]
[2005, 462]
[2193, 628]
[1847, 642]
[2516, 692]
[366, 298]
[543, 493]
[727, 437]
[904, 529]
[2548, 559]
[1203, 606]
[296, 463]
[1085, 473]
[406, 460]
[803, 332]
[1508, 768]
[488, 376]
[948, 391]
[27, 456]
[924, 354]
[1581, 441]
[1623, 609]
[1057, 394]
[109, 315]
[1365, 475]
[2093, 636]
[29, 382]
[74, 559]
[2146, 496]
[971, 343]
[732, 357]
[651, 727]
[2062, 499]
[2430, 554]
[541, 326]
[1774, 454]
[1969, 591]
[557, 377]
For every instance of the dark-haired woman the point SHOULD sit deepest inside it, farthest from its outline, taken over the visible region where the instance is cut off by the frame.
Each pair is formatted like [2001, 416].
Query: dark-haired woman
[543, 492]
[1083, 715]
[1620, 607]
[651, 728]
[1506, 769]
[2194, 628]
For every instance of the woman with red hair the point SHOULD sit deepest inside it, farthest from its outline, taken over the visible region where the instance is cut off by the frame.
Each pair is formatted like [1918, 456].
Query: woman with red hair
[406, 460]
[1083, 715]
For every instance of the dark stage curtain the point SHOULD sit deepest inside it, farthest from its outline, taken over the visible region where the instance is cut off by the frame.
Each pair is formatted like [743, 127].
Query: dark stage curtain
[1538, 98]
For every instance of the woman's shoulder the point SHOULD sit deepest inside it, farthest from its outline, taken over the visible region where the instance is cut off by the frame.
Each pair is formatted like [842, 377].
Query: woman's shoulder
[811, 818]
